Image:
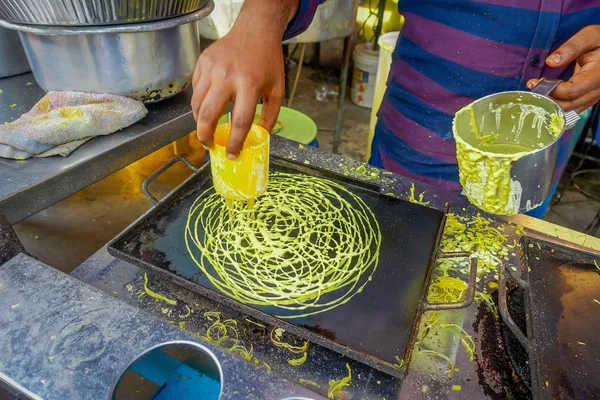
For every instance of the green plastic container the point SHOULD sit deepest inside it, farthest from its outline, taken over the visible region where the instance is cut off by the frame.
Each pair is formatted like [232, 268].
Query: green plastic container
[291, 124]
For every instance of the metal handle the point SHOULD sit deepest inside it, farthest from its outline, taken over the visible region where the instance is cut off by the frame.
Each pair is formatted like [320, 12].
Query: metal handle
[470, 293]
[158, 172]
[544, 87]
[502, 302]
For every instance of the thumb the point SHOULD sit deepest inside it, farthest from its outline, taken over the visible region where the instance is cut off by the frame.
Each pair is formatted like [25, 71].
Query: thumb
[582, 42]
[532, 83]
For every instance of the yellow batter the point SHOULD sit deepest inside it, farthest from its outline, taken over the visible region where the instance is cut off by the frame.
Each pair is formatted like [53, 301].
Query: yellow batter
[485, 165]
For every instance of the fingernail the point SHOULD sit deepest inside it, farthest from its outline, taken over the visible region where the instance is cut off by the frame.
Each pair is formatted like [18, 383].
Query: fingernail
[231, 156]
[555, 58]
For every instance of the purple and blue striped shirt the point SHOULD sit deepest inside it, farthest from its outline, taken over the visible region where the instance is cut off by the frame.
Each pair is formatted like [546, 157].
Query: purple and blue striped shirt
[452, 52]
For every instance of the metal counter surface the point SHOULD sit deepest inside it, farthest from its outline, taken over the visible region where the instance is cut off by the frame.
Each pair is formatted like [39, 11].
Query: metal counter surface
[62, 339]
[29, 186]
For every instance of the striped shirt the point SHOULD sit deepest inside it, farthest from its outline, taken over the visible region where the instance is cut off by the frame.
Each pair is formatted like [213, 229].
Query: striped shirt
[303, 18]
[452, 52]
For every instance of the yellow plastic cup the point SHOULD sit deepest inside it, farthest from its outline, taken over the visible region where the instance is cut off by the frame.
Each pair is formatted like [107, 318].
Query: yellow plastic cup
[246, 177]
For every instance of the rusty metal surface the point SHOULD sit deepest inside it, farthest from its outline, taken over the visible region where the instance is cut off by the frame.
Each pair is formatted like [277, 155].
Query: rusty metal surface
[560, 289]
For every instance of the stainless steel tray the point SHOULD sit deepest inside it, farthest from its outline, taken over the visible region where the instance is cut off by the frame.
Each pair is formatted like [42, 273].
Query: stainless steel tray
[94, 12]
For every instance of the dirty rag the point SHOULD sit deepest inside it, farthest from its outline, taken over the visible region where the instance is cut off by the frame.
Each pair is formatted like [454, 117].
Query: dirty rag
[62, 121]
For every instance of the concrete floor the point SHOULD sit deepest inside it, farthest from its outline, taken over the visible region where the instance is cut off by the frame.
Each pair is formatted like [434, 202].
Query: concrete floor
[67, 233]
[574, 211]
[355, 126]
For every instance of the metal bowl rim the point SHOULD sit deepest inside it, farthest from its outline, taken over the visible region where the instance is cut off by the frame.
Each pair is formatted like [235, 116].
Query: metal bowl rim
[27, 20]
[151, 26]
[171, 343]
[518, 92]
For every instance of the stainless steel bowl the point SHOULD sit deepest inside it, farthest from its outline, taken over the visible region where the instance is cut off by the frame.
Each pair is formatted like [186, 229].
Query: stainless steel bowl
[334, 19]
[94, 12]
[148, 62]
[12, 57]
[164, 364]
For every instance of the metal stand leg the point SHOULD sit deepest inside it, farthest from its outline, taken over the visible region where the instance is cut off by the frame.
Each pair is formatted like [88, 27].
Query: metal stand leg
[316, 60]
[342, 95]
[286, 70]
[379, 26]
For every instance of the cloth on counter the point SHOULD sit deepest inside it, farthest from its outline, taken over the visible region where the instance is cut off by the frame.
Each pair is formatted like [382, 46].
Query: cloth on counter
[62, 121]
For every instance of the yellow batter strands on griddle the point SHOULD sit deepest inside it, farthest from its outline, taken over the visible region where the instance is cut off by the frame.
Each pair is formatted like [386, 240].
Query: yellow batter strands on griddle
[307, 246]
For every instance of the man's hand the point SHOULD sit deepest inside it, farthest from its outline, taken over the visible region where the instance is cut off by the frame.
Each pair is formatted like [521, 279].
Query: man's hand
[583, 89]
[242, 67]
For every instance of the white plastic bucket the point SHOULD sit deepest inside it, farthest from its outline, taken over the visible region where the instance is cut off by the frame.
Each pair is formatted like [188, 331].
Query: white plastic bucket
[387, 43]
[365, 75]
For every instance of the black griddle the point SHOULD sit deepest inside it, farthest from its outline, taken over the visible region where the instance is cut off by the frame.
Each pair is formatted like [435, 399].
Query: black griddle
[556, 320]
[376, 327]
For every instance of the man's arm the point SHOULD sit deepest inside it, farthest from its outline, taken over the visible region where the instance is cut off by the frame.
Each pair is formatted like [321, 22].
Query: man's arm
[247, 65]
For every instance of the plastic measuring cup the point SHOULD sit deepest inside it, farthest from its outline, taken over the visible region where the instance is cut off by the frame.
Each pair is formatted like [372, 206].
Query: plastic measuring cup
[246, 177]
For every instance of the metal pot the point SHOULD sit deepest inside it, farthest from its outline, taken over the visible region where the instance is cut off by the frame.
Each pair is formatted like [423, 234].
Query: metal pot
[148, 62]
[94, 12]
[334, 19]
[12, 57]
[516, 175]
